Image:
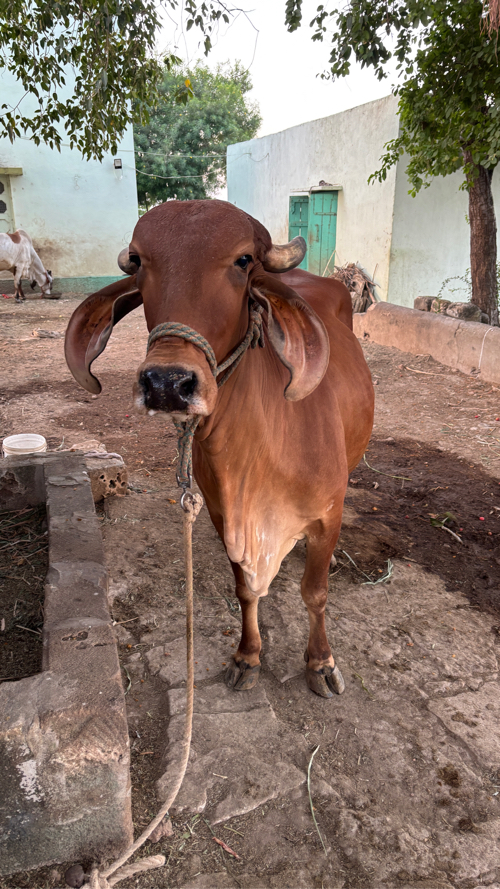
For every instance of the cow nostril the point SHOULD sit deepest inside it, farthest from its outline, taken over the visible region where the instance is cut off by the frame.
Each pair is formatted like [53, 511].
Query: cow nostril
[187, 386]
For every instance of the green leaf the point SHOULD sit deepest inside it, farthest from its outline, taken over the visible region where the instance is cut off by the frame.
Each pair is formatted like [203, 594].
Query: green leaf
[110, 46]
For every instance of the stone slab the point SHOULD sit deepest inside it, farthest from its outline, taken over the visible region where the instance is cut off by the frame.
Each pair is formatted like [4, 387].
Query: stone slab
[75, 591]
[474, 717]
[235, 749]
[64, 775]
[74, 533]
[22, 482]
[169, 661]
[464, 345]
[64, 748]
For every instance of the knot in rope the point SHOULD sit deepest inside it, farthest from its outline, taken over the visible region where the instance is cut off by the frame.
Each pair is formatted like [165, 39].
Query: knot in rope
[191, 504]
[187, 428]
[103, 879]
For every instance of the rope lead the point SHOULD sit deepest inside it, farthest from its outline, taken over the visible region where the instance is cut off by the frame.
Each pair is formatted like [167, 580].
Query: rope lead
[191, 504]
[114, 873]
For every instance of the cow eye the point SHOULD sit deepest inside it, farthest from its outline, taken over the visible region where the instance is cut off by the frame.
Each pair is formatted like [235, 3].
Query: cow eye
[243, 261]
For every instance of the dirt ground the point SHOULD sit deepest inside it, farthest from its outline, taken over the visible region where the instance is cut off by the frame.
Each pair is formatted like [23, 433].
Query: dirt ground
[405, 780]
[23, 566]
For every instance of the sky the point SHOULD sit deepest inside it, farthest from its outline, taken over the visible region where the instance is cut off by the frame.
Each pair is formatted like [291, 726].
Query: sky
[283, 67]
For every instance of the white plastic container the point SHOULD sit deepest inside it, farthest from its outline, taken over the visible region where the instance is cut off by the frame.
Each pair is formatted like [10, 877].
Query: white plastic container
[27, 443]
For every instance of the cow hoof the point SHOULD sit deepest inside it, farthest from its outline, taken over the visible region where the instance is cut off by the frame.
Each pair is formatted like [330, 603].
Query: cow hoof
[242, 676]
[325, 681]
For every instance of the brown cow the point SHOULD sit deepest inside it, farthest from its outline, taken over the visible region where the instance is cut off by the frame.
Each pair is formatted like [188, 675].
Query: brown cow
[275, 444]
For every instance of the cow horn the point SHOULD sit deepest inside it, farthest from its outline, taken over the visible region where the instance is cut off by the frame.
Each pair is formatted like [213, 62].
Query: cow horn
[126, 263]
[282, 257]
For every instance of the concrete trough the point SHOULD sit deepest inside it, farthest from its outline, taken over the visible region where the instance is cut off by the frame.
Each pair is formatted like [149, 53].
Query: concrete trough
[64, 747]
[463, 345]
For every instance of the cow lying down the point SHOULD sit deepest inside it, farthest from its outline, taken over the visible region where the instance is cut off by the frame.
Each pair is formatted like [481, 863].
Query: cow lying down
[276, 442]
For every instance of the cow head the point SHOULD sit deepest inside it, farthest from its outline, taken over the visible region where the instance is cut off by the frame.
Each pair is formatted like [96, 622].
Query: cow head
[44, 280]
[198, 263]
[47, 284]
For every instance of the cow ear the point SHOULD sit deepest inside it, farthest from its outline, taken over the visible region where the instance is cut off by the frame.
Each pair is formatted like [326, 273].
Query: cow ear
[297, 334]
[90, 327]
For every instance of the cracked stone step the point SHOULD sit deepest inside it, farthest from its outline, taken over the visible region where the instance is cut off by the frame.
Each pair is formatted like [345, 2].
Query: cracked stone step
[238, 745]
[474, 718]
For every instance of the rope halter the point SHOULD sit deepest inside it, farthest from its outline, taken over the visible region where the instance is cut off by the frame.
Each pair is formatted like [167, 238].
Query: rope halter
[187, 428]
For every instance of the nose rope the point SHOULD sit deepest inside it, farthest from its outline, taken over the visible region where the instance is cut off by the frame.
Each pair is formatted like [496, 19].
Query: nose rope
[187, 428]
[173, 328]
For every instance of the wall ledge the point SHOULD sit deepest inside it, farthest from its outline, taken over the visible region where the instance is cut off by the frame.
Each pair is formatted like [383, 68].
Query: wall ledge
[463, 345]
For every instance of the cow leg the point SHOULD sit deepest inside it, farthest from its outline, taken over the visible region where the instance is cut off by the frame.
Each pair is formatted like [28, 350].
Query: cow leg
[322, 674]
[19, 290]
[243, 672]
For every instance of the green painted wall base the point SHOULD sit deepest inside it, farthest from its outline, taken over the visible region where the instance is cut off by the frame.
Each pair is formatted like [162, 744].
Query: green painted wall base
[64, 285]
[83, 285]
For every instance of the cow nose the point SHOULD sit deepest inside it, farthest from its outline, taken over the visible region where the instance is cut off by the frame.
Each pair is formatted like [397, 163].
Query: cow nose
[168, 389]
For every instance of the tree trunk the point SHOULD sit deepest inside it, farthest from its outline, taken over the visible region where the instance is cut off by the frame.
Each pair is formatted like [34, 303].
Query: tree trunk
[483, 242]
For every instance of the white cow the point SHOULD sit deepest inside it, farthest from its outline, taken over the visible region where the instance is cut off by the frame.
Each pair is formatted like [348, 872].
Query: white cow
[17, 255]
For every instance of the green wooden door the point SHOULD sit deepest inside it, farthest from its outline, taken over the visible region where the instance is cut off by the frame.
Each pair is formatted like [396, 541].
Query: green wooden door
[322, 231]
[298, 221]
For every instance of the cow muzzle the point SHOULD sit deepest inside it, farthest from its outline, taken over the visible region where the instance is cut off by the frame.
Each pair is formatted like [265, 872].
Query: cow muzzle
[172, 389]
[175, 379]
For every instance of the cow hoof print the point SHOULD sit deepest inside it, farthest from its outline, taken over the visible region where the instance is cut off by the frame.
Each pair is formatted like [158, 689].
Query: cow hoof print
[241, 677]
[325, 681]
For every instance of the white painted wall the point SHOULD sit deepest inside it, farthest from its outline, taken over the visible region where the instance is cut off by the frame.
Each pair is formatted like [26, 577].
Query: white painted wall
[342, 149]
[430, 238]
[413, 243]
[78, 213]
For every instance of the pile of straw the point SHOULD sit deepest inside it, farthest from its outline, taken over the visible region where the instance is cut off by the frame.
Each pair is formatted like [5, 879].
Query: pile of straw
[359, 284]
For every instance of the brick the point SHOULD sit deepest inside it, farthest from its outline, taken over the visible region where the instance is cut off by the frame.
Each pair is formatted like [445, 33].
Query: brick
[108, 477]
